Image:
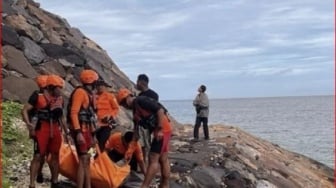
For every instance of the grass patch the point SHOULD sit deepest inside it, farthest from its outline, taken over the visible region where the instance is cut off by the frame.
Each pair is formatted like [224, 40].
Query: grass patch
[16, 146]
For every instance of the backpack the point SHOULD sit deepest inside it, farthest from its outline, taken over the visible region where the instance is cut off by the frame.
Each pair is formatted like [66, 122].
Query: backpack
[148, 120]
[90, 111]
[33, 112]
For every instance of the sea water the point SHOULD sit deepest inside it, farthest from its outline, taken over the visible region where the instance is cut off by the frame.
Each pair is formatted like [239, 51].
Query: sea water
[301, 124]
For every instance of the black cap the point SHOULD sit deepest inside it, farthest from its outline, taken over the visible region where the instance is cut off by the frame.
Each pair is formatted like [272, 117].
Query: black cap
[102, 82]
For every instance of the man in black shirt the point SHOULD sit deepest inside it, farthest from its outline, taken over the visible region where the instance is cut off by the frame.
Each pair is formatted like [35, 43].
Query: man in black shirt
[145, 136]
[142, 85]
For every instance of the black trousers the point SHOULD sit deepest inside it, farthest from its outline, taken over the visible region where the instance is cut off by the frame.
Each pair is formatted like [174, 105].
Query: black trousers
[116, 156]
[199, 121]
[102, 135]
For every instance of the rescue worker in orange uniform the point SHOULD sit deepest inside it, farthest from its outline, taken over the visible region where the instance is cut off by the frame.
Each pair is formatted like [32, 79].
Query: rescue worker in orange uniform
[41, 82]
[117, 145]
[47, 132]
[107, 111]
[157, 121]
[82, 116]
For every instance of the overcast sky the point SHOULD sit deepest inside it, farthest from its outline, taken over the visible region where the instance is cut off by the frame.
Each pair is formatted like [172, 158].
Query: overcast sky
[237, 48]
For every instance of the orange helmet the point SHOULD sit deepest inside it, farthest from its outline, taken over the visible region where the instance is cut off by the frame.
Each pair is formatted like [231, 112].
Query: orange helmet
[88, 76]
[41, 81]
[122, 94]
[55, 80]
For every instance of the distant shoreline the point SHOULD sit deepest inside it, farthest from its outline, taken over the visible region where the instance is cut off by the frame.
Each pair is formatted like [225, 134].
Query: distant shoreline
[249, 98]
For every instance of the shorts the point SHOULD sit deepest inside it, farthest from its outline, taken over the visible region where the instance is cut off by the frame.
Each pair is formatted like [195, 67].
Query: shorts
[43, 143]
[145, 137]
[83, 148]
[161, 146]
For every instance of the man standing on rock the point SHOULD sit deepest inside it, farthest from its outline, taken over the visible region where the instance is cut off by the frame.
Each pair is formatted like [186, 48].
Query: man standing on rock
[144, 134]
[201, 104]
[107, 111]
[81, 113]
[31, 119]
[157, 121]
[47, 130]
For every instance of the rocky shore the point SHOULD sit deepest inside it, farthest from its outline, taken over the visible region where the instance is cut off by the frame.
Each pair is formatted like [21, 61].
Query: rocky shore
[39, 42]
[232, 158]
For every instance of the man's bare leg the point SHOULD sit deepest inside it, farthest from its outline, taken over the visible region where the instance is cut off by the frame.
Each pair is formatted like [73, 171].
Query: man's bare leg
[54, 168]
[34, 167]
[165, 170]
[152, 169]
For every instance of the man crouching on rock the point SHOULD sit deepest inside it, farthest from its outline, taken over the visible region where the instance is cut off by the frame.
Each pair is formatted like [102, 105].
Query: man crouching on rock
[145, 109]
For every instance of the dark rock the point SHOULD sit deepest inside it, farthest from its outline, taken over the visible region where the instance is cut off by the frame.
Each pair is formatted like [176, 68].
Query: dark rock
[18, 88]
[17, 61]
[34, 53]
[57, 51]
[6, 7]
[134, 180]
[233, 179]
[10, 37]
[14, 178]
[52, 67]
[203, 179]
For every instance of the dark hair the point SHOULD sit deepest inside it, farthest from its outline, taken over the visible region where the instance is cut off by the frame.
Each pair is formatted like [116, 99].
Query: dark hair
[143, 77]
[203, 88]
[128, 136]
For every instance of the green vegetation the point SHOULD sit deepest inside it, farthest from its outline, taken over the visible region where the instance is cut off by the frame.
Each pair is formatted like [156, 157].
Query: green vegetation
[16, 146]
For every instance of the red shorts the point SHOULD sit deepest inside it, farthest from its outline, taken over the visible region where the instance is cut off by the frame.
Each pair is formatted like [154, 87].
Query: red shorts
[83, 148]
[161, 146]
[43, 143]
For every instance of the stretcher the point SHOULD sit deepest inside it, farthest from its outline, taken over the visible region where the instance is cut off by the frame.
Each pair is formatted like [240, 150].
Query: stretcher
[104, 172]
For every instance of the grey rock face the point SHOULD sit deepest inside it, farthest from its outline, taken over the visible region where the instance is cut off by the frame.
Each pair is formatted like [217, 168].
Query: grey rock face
[17, 61]
[22, 88]
[57, 51]
[10, 37]
[34, 53]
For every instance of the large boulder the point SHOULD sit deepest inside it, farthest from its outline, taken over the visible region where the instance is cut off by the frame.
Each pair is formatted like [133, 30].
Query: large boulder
[42, 16]
[17, 62]
[10, 37]
[20, 24]
[18, 88]
[34, 53]
[57, 51]
[52, 67]
[6, 7]
[51, 35]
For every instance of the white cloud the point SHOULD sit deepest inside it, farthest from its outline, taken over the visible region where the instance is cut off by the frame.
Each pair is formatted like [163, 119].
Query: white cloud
[235, 40]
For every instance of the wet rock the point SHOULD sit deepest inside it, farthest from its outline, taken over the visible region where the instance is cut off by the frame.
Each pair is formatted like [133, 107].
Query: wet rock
[10, 37]
[17, 61]
[34, 53]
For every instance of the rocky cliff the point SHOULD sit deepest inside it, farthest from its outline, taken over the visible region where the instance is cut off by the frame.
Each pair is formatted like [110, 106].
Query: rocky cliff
[35, 41]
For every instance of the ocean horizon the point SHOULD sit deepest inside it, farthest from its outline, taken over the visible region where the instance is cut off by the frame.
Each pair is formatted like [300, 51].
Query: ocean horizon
[302, 124]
